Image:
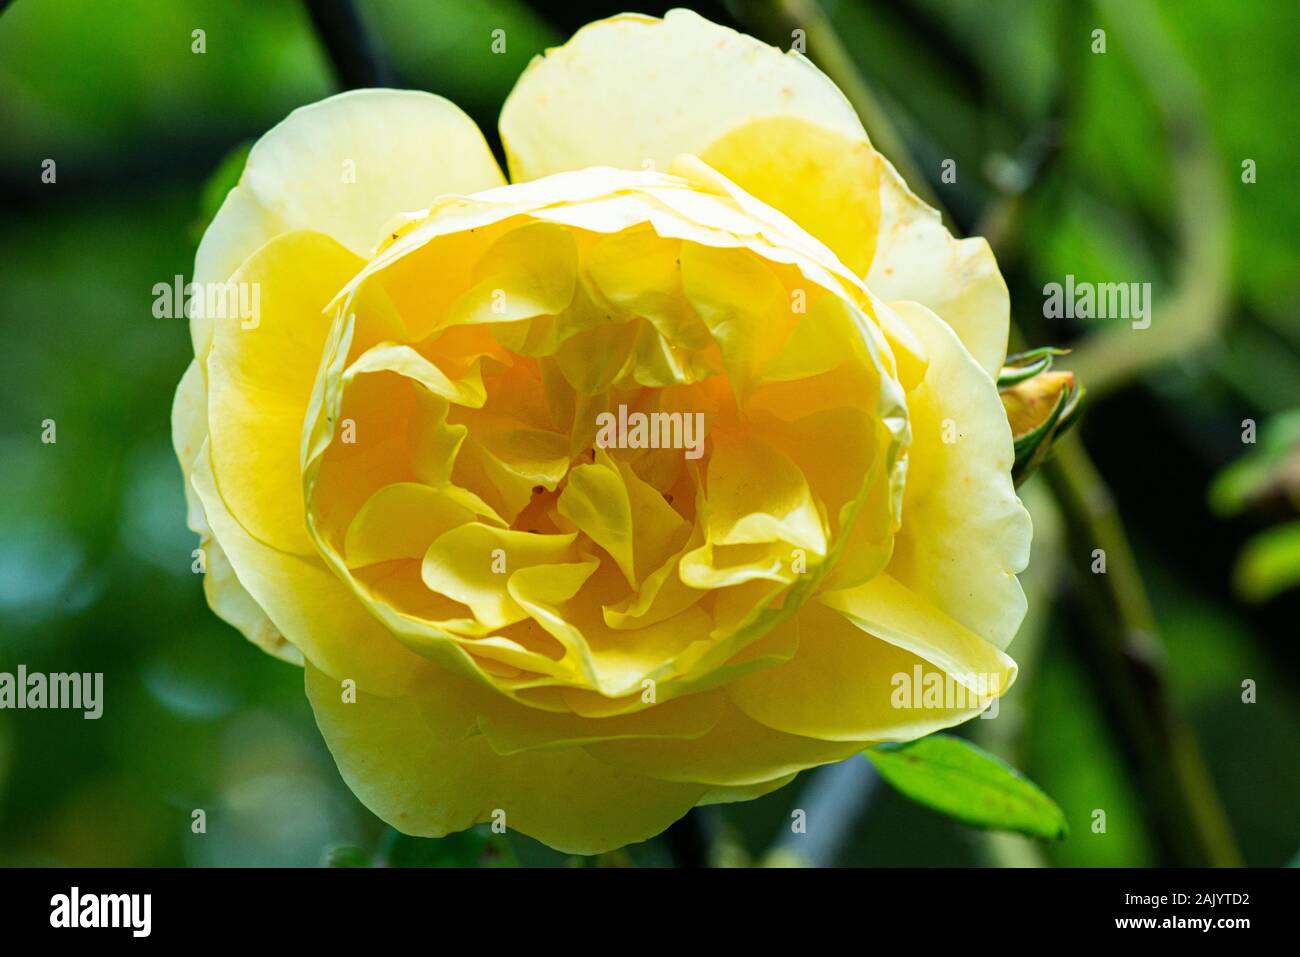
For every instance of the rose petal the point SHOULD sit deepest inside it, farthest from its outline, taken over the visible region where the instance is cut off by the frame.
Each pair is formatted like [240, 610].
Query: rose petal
[737, 752]
[840, 684]
[917, 258]
[344, 166]
[965, 535]
[260, 378]
[634, 92]
[415, 762]
[307, 604]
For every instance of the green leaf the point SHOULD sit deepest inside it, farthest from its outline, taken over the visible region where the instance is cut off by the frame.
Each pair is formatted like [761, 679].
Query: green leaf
[1269, 563]
[1266, 468]
[953, 777]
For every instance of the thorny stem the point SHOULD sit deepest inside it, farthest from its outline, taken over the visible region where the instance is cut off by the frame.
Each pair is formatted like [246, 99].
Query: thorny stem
[1185, 807]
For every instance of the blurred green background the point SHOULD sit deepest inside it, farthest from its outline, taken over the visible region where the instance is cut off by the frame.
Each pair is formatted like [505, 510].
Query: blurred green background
[1123, 165]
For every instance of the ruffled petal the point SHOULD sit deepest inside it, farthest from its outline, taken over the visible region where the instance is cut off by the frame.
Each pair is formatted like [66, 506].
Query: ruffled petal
[401, 521]
[473, 565]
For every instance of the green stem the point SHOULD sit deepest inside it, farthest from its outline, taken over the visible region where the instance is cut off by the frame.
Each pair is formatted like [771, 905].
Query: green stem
[1181, 799]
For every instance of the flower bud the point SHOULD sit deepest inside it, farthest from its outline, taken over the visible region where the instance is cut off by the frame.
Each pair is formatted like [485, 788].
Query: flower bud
[1041, 405]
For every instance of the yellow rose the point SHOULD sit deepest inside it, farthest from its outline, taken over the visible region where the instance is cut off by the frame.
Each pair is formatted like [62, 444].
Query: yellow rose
[640, 483]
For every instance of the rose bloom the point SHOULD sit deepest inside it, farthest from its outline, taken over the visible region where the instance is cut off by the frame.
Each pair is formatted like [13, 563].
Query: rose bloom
[395, 472]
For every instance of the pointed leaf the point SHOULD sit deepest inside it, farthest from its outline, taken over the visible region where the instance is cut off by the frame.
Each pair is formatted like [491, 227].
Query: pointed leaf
[954, 777]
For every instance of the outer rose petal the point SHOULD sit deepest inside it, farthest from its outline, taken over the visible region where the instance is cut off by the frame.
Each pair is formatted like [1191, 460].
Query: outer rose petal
[416, 763]
[839, 686]
[228, 598]
[511, 727]
[189, 432]
[734, 795]
[404, 148]
[260, 383]
[306, 603]
[965, 535]
[737, 752]
[635, 91]
[232, 602]
[918, 259]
